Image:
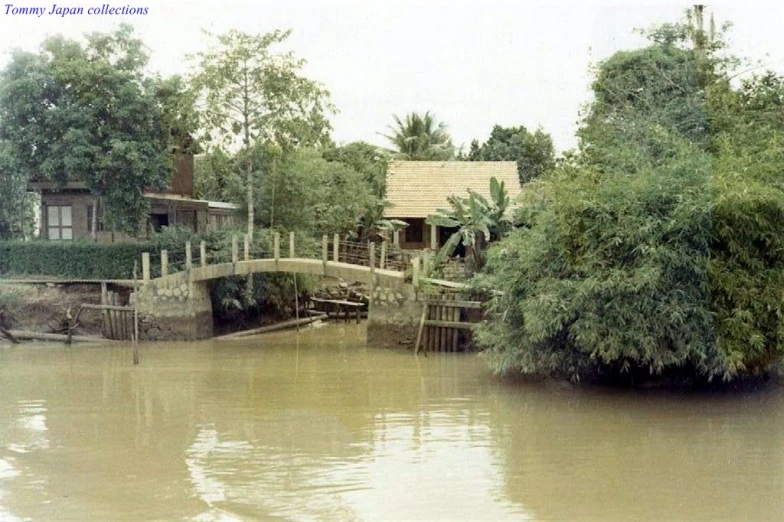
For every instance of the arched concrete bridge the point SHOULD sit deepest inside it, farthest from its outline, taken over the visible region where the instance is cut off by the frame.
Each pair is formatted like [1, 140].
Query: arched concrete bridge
[178, 306]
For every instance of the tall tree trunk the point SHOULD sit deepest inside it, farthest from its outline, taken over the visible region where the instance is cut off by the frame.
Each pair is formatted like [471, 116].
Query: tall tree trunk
[250, 195]
[94, 224]
[274, 182]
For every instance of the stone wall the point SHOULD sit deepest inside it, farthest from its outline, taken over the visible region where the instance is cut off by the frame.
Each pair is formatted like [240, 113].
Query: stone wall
[174, 309]
[393, 316]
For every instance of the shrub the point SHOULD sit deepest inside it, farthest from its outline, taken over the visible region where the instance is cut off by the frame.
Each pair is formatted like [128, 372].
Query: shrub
[72, 260]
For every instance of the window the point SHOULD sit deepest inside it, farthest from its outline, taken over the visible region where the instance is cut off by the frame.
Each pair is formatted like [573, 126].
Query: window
[99, 222]
[415, 231]
[59, 223]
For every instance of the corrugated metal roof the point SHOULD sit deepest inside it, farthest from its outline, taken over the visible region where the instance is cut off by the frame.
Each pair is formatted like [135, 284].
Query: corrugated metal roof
[418, 188]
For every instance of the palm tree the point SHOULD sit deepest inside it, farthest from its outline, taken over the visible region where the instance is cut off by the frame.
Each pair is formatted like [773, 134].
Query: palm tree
[478, 222]
[420, 138]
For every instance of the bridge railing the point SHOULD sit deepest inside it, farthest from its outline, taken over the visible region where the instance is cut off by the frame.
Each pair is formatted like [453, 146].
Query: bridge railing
[377, 255]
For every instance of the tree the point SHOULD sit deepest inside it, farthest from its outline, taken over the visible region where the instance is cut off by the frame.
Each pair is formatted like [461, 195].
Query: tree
[252, 94]
[216, 176]
[87, 112]
[369, 160]
[657, 250]
[313, 195]
[15, 202]
[533, 151]
[478, 222]
[419, 137]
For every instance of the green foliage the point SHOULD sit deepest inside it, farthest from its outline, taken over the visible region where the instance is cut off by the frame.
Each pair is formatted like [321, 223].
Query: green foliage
[303, 191]
[533, 151]
[217, 177]
[657, 250]
[258, 97]
[86, 111]
[366, 159]
[419, 137]
[16, 204]
[71, 260]
[478, 222]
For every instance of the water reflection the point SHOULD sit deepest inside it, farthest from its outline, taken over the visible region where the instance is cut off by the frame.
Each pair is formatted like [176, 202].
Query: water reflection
[318, 427]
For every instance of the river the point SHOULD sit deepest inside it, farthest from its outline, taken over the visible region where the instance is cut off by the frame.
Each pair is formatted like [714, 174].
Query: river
[317, 426]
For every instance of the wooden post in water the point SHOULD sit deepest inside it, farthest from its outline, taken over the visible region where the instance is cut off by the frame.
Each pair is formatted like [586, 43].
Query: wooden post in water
[291, 245]
[105, 300]
[164, 263]
[145, 267]
[136, 317]
[296, 300]
[203, 253]
[336, 248]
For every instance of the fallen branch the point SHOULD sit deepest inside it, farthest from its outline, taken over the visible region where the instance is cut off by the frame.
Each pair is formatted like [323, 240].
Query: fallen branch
[39, 336]
[7, 333]
[273, 327]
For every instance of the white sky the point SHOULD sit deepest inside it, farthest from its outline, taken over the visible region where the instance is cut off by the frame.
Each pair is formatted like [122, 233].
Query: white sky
[472, 63]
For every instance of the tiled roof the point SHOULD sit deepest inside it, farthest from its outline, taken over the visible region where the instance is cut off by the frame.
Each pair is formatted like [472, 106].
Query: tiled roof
[418, 188]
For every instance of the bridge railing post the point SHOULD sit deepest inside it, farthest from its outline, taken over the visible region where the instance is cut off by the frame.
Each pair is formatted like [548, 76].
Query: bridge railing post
[336, 248]
[276, 246]
[372, 255]
[164, 263]
[291, 245]
[188, 256]
[234, 250]
[383, 261]
[145, 266]
[325, 249]
[203, 253]
[246, 253]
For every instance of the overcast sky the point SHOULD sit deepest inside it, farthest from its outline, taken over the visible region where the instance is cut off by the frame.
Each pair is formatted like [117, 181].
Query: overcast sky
[472, 63]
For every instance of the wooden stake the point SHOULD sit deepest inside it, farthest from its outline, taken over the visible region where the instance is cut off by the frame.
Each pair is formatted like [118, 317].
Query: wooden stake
[136, 317]
[421, 328]
[296, 301]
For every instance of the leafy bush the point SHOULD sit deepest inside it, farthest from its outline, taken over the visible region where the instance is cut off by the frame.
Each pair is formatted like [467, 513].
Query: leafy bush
[72, 260]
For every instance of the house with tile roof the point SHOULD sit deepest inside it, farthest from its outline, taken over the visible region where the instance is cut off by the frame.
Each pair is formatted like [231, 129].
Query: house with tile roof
[416, 189]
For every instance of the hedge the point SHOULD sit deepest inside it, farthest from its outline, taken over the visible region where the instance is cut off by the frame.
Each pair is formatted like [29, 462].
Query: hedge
[74, 260]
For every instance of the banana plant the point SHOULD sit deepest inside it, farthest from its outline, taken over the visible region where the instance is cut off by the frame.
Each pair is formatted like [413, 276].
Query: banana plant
[477, 220]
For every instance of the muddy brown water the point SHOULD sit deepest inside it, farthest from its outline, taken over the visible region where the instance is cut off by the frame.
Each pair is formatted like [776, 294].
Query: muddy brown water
[320, 427]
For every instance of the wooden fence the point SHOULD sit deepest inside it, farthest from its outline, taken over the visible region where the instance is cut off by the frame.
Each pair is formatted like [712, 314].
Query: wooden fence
[443, 326]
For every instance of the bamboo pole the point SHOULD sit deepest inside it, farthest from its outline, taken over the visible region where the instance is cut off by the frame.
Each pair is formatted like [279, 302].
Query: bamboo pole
[136, 317]
[421, 328]
[296, 299]
[104, 300]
